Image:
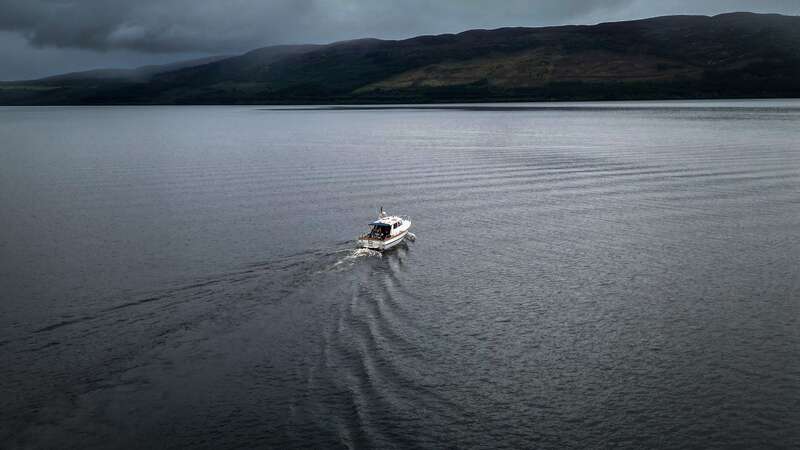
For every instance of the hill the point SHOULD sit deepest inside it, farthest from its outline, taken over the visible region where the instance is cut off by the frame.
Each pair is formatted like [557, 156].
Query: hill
[139, 74]
[725, 56]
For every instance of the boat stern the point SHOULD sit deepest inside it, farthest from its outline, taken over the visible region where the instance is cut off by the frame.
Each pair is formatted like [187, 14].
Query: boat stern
[370, 244]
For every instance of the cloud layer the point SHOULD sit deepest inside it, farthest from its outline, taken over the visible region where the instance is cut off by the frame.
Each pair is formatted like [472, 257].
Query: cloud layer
[219, 25]
[161, 27]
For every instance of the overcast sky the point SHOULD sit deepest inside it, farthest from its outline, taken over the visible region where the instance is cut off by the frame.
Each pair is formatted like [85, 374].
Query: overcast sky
[44, 37]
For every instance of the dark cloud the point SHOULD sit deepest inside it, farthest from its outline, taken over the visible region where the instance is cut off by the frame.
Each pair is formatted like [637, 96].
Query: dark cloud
[219, 25]
[171, 27]
[20, 61]
[157, 26]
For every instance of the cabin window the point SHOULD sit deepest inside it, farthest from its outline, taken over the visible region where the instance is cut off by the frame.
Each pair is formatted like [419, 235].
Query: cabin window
[380, 231]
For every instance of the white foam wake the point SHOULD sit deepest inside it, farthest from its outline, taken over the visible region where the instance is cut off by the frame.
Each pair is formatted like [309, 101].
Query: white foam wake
[353, 255]
[361, 252]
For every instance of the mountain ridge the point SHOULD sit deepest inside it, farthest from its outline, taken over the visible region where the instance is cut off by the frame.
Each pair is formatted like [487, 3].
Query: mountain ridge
[729, 55]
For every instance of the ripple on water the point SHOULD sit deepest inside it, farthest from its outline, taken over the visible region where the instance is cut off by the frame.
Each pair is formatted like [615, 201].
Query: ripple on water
[584, 277]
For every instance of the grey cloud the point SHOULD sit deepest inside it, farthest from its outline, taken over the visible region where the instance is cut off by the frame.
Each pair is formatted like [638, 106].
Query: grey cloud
[166, 26]
[21, 61]
[150, 25]
[215, 25]
[122, 30]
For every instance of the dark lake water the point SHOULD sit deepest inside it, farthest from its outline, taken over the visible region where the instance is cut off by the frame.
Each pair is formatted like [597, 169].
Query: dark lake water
[584, 275]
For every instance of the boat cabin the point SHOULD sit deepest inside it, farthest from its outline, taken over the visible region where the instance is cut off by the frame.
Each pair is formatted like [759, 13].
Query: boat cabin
[384, 227]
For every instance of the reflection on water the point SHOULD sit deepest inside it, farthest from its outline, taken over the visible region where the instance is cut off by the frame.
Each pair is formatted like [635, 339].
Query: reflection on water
[585, 275]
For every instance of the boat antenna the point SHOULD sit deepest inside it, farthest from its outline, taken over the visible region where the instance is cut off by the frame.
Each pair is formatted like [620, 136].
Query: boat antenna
[381, 214]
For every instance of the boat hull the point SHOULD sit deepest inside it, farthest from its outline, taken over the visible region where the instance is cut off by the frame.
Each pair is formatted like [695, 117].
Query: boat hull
[383, 245]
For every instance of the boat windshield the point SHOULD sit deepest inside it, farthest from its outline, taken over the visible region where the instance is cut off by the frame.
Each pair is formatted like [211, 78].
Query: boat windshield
[379, 231]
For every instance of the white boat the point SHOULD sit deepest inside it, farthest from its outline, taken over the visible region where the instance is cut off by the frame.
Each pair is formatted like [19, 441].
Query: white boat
[385, 233]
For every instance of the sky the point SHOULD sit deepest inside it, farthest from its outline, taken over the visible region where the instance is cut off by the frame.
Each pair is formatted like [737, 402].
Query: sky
[46, 37]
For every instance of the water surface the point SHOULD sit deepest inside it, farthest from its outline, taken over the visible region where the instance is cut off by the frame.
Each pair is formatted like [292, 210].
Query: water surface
[585, 275]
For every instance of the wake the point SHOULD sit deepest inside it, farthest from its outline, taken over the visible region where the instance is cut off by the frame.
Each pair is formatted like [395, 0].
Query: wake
[354, 255]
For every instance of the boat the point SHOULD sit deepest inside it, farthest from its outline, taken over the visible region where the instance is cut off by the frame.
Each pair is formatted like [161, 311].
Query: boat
[385, 232]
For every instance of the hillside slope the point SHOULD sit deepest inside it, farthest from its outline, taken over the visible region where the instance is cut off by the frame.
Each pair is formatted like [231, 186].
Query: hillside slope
[139, 74]
[730, 55]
